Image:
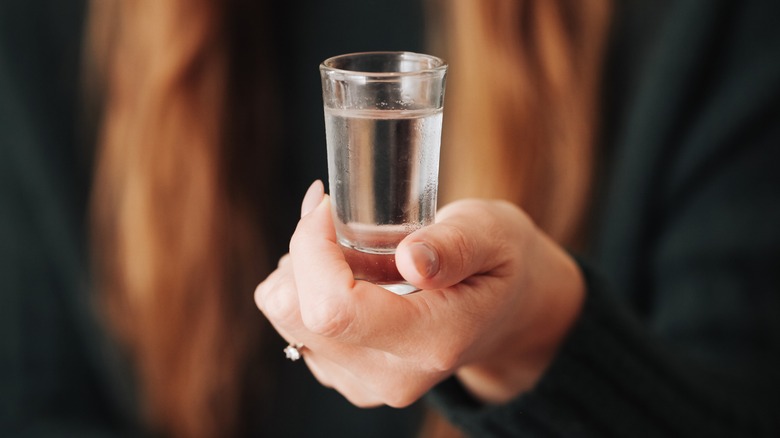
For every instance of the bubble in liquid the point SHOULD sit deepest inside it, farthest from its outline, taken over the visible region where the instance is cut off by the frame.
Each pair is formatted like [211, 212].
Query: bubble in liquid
[406, 102]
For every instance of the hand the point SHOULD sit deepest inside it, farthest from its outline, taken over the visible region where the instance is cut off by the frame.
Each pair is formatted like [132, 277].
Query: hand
[497, 298]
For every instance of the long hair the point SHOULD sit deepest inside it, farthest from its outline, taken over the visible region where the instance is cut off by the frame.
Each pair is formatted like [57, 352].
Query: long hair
[181, 178]
[522, 105]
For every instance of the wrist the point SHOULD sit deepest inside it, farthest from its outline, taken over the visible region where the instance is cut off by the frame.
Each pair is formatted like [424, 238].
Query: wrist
[550, 306]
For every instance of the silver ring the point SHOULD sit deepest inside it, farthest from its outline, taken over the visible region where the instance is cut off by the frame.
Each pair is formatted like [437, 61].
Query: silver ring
[293, 351]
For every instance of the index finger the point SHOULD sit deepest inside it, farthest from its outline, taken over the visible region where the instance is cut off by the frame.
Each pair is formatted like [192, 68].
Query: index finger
[334, 304]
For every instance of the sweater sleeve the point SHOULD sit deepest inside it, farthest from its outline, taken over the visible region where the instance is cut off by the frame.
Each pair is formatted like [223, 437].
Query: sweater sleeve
[614, 378]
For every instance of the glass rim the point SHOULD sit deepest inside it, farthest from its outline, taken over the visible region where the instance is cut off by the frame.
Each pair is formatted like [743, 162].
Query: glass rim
[440, 65]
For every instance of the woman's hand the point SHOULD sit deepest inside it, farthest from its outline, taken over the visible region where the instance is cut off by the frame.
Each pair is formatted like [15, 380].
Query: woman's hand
[497, 298]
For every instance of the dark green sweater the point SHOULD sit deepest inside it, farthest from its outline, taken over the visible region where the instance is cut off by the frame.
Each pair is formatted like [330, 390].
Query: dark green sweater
[680, 332]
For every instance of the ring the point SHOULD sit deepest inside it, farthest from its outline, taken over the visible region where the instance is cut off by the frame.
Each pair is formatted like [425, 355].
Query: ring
[293, 351]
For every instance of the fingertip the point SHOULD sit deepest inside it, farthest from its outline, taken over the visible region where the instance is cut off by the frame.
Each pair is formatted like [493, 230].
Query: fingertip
[424, 258]
[313, 197]
[419, 263]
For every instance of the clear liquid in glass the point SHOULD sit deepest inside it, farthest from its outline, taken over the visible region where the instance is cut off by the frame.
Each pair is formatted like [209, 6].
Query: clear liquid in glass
[383, 167]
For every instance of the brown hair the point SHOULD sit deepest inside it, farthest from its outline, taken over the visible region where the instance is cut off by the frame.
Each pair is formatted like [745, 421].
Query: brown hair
[177, 202]
[521, 105]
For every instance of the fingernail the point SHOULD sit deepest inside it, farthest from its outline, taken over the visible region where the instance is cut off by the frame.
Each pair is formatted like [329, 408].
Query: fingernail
[425, 259]
[313, 197]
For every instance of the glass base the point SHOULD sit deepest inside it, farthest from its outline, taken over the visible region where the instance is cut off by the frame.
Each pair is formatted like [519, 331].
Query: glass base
[399, 288]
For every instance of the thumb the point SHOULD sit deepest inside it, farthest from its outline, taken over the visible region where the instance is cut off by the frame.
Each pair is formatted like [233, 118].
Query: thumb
[469, 237]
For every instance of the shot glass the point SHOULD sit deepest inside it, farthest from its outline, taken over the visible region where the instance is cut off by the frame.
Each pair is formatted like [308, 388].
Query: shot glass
[383, 119]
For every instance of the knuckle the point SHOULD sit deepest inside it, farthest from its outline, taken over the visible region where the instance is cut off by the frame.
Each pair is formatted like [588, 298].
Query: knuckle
[281, 307]
[327, 318]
